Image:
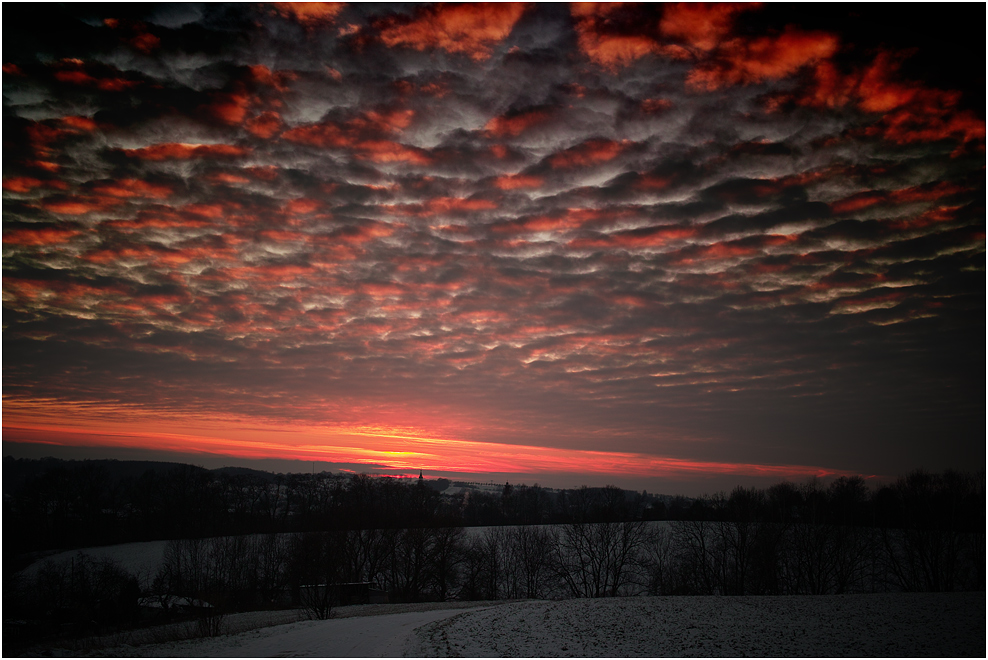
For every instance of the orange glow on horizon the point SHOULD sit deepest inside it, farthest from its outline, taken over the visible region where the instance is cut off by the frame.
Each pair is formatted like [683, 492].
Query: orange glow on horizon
[395, 448]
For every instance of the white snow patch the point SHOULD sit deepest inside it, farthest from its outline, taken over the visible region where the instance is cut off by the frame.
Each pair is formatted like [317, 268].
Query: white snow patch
[857, 625]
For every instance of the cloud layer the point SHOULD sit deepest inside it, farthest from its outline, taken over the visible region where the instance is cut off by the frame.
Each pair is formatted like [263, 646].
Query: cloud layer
[636, 229]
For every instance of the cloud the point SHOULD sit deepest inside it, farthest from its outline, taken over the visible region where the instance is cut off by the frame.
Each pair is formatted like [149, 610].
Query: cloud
[674, 232]
[468, 29]
[749, 61]
[700, 25]
[310, 14]
[184, 151]
[515, 124]
[589, 153]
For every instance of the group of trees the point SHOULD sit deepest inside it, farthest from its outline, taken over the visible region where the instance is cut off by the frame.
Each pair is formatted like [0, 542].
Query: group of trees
[924, 532]
[58, 504]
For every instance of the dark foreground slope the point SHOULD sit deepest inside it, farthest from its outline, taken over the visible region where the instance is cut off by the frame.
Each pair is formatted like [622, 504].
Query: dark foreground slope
[858, 625]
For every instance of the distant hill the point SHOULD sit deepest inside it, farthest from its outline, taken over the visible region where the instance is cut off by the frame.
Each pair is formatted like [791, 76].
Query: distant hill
[269, 477]
[19, 471]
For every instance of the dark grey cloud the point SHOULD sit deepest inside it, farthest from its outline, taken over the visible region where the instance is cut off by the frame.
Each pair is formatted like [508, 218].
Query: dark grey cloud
[520, 233]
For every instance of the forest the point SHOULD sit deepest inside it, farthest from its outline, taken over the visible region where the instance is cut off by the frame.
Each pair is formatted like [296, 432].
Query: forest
[242, 540]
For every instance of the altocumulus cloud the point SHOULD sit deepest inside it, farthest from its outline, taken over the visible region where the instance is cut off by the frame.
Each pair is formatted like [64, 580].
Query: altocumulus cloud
[702, 232]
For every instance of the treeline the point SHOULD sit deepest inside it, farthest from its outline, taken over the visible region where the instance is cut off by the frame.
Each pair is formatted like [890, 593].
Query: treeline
[64, 504]
[51, 504]
[925, 532]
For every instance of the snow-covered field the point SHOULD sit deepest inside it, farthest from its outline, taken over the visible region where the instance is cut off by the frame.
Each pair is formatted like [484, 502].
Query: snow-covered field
[916, 625]
[142, 558]
[850, 625]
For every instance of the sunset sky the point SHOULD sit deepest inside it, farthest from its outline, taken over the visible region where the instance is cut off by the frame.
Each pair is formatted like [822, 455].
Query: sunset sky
[660, 246]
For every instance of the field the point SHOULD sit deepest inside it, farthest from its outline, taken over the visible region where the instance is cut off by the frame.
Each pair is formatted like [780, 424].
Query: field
[875, 625]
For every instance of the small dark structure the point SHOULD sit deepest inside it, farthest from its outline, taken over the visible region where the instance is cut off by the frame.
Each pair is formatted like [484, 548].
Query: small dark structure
[167, 606]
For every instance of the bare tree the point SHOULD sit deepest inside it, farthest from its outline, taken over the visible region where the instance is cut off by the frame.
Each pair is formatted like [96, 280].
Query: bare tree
[406, 572]
[693, 540]
[485, 566]
[594, 559]
[316, 560]
[446, 554]
[660, 563]
[531, 550]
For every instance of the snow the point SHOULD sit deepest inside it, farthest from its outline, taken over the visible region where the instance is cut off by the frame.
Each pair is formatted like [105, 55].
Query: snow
[850, 625]
[382, 636]
[950, 624]
[142, 559]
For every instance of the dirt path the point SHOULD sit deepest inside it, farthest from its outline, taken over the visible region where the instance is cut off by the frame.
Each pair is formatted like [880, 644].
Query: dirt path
[382, 636]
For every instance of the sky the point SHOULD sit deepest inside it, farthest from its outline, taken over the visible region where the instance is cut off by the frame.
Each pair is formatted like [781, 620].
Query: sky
[662, 246]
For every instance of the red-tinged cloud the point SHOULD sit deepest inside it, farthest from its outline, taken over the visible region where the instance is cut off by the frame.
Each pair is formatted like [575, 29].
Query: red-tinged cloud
[730, 249]
[40, 137]
[80, 205]
[279, 80]
[386, 151]
[230, 108]
[21, 184]
[874, 88]
[518, 181]
[264, 173]
[228, 178]
[32, 236]
[137, 37]
[515, 125]
[909, 112]
[145, 42]
[751, 61]
[310, 14]
[387, 121]
[877, 89]
[925, 193]
[360, 136]
[540, 232]
[441, 205]
[77, 75]
[303, 206]
[188, 216]
[253, 99]
[929, 122]
[614, 51]
[604, 45]
[655, 106]
[266, 125]
[46, 166]
[468, 29]
[79, 123]
[566, 220]
[638, 239]
[128, 188]
[159, 256]
[700, 25]
[328, 135]
[930, 218]
[436, 89]
[591, 152]
[857, 202]
[651, 182]
[184, 151]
